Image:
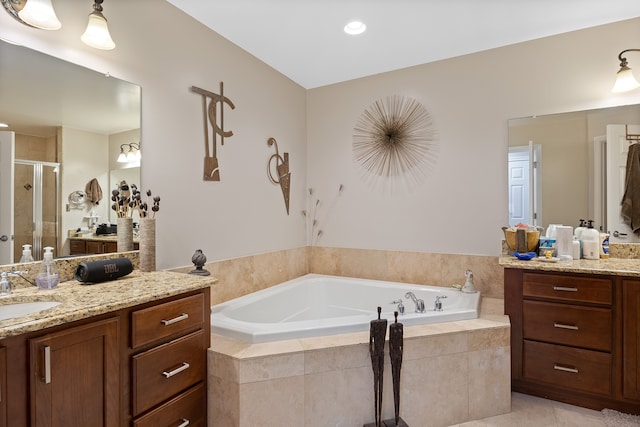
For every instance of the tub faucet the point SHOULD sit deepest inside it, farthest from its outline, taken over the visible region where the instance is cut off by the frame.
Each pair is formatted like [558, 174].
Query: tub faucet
[438, 303]
[400, 305]
[419, 303]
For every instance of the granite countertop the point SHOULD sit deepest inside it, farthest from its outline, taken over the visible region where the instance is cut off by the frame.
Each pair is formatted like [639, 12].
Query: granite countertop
[79, 301]
[610, 266]
[100, 237]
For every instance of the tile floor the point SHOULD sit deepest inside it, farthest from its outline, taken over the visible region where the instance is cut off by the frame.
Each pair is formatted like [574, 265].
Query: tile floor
[530, 411]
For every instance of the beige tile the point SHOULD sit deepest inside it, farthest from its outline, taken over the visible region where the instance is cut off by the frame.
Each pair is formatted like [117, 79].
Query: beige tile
[414, 267]
[336, 358]
[435, 345]
[342, 398]
[270, 269]
[435, 391]
[572, 416]
[223, 403]
[235, 278]
[491, 306]
[489, 382]
[324, 260]
[489, 338]
[278, 402]
[273, 367]
[223, 366]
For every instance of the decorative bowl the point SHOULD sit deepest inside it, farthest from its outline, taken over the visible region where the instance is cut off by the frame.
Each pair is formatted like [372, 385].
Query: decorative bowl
[532, 238]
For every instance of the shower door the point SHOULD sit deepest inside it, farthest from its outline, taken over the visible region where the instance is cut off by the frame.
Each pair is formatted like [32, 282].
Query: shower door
[35, 207]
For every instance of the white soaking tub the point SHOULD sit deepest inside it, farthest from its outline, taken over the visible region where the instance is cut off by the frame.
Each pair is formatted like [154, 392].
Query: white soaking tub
[317, 305]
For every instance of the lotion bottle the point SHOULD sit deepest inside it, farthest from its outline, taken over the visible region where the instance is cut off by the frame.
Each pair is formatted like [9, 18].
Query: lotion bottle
[590, 242]
[48, 277]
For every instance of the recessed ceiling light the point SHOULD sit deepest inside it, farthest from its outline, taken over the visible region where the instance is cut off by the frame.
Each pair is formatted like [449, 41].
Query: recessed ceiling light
[355, 27]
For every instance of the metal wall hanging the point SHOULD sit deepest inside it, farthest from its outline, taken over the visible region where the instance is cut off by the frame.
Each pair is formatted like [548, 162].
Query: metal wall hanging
[394, 143]
[210, 115]
[282, 171]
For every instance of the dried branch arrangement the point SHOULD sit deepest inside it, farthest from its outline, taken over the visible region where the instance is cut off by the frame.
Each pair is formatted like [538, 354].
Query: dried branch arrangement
[127, 199]
[311, 215]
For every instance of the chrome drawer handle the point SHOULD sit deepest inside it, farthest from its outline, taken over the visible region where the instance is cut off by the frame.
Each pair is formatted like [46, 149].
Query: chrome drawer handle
[183, 316]
[561, 326]
[185, 423]
[169, 374]
[565, 369]
[47, 364]
[565, 289]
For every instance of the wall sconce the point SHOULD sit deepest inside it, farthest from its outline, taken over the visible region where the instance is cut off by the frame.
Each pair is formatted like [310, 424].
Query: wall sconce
[132, 155]
[40, 14]
[625, 81]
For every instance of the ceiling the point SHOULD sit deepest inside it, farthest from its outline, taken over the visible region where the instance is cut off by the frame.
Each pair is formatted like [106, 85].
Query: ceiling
[304, 40]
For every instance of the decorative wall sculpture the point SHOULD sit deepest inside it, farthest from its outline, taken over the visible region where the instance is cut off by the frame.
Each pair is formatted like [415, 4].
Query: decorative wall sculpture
[394, 143]
[210, 114]
[282, 171]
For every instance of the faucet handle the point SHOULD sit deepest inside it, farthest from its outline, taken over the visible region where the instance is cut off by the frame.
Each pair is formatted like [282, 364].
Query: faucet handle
[400, 305]
[438, 303]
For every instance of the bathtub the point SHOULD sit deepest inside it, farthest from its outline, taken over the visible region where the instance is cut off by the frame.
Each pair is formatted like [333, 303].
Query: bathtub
[318, 305]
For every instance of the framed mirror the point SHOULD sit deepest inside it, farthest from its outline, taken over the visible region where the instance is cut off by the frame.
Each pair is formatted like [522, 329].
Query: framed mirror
[558, 172]
[73, 121]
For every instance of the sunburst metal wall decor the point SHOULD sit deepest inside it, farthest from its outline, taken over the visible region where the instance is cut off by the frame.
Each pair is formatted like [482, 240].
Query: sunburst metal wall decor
[394, 143]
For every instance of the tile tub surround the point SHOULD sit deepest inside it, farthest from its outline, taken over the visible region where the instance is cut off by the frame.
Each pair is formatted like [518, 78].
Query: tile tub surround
[244, 275]
[80, 301]
[451, 373]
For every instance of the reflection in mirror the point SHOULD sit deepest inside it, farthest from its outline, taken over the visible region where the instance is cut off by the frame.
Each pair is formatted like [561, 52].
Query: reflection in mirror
[71, 121]
[558, 169]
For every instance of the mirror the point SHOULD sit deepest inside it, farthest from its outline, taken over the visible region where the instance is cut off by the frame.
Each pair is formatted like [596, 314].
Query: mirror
[65, 114]
[568, 177]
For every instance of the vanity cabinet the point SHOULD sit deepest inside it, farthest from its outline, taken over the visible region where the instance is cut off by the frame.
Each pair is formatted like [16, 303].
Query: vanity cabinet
[571, 336]
[75, 376]
[140, 366]
[85, 246]
[631, 339]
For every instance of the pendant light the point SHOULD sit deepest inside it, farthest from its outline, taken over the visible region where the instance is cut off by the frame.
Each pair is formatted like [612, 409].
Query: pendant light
[97, 33]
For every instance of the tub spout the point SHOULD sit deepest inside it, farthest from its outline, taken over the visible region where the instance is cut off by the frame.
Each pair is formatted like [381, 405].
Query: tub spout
[418, 302]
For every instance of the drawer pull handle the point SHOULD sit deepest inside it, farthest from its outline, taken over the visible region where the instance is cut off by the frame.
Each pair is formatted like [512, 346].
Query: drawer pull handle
[565, 289]
[183, 316]
[561, 326]
[565, 369]
[185, 423]
[169, 374]
[47, 364]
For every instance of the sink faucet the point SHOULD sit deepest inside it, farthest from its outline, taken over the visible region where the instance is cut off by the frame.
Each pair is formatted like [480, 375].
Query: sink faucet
[419, 303]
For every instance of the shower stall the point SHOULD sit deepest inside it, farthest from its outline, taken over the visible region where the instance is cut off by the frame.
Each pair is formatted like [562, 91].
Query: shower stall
[36, 206]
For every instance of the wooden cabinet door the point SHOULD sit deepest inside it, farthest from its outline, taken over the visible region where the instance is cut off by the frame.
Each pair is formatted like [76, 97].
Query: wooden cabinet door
[631, 339]
[75, 377]
[94, 247]
[3, 386]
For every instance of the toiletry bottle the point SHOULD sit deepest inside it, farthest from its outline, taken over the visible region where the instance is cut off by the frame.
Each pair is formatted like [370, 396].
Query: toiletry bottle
[604, 245]
[47, 277]
[579, 229]
[5, 285]
[576, 246]
[26, 254]
[590, 242]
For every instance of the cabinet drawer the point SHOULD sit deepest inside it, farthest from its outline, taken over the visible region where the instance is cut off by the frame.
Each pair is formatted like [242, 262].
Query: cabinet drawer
[567, 288]
[160, 321]
[77, 247]
[166, 370]
[567, 367]
[589, 327]
[189, 408]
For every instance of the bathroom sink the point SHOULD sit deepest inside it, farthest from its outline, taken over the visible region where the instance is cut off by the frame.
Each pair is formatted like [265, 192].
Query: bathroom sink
[9, 311]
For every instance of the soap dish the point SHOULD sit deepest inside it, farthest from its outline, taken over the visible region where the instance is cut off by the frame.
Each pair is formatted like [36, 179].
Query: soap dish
[524, 256]
[552, 259]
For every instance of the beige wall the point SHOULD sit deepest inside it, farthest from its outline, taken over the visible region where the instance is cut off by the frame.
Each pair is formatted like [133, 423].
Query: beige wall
[458, 210]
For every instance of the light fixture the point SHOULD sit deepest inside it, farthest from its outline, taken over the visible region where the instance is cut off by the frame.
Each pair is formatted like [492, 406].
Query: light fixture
[97, 33]
[355, 27]
[625, 81]
[132, 155]
[35, 13]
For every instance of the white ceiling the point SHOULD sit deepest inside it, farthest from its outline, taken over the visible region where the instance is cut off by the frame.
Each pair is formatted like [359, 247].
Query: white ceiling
[304, 40]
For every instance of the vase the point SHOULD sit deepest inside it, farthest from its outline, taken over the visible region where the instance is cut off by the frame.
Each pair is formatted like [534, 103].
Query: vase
[125, 234]
[147, 244]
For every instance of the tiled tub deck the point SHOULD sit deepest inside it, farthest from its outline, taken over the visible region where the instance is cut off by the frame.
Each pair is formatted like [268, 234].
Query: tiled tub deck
[451, 373]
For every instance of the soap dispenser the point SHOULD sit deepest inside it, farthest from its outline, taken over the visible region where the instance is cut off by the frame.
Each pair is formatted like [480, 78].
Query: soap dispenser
[5, 285]
[26, 254]
[579, 229]
[48, 277]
